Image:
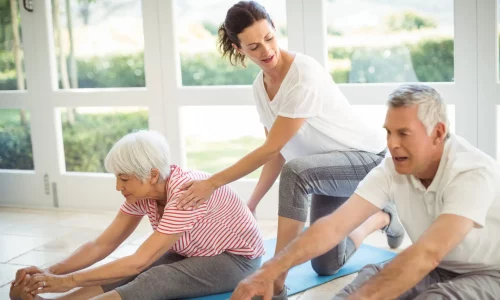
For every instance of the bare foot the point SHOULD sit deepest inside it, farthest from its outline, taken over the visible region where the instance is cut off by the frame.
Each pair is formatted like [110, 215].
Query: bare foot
[15, 291]
[27, 296]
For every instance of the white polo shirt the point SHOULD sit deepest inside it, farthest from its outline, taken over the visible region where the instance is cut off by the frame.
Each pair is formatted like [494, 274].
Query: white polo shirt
[467, 184]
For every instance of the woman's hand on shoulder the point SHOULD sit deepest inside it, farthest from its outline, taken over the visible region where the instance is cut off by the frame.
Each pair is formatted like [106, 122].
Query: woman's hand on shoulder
[195, 193]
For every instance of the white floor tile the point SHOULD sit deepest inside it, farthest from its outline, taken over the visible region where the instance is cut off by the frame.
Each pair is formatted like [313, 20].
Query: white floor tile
[85, 220]
[4, 291]
[71, 241]
[12, 246]
[42, 237]
[327, 290]
[49, 231]
[40, 259]
[8, 273]
[123, 251]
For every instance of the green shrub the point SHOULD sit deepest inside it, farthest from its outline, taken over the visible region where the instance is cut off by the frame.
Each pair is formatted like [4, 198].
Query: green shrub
[433, 60]
[8, 78]
[340, 75]
[15, 145]
[89, 139]
[340, 53]
[211, 27]
[111, 71]
[7, 61]
[211, 69]
[408, 21]
[427, 61]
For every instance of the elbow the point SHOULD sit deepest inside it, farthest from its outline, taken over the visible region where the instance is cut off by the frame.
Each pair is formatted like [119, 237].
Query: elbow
[139, 268]
[432, 257]
[138, 265]
[271, 150]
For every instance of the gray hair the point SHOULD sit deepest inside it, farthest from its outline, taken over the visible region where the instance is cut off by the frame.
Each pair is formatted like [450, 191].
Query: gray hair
[431, 107]
[138, 153]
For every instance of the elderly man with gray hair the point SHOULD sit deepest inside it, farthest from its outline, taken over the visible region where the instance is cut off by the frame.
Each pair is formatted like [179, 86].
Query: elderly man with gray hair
[447, 196]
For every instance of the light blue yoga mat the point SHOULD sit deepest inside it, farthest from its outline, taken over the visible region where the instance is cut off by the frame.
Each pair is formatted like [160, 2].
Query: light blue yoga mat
[303, 277]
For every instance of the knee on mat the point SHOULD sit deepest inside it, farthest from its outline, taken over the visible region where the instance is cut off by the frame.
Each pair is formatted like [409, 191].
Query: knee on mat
[323, 268]
[291, 168]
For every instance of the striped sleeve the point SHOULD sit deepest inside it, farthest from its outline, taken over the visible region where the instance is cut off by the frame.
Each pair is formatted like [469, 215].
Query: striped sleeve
[136, 209]
[176, 220]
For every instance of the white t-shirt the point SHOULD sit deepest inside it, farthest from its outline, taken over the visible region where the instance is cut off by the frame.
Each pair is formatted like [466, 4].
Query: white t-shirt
[308, 91]
[466, 184]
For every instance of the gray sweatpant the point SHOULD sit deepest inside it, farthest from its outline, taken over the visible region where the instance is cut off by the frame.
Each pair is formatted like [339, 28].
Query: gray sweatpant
[331, 179]
[440, 284]
[174, 276]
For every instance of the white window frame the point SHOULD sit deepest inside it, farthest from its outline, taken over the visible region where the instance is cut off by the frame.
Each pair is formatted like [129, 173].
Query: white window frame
[473, 93]
[488, 78]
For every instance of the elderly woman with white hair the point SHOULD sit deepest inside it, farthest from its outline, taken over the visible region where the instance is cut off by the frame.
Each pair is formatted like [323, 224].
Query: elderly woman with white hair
[191, 253]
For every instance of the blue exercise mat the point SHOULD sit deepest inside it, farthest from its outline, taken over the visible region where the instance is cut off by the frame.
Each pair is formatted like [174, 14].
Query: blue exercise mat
[303, 277]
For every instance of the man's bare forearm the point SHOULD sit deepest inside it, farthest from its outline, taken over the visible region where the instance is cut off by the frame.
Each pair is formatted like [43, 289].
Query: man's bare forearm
[323, 235]
[413, 264]
[318, 239]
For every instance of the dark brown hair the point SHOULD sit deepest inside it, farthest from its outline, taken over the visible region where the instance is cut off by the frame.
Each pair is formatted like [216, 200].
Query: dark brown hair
[240, 16]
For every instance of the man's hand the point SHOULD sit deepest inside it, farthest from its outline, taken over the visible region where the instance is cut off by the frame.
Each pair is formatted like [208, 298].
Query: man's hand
[257, 284]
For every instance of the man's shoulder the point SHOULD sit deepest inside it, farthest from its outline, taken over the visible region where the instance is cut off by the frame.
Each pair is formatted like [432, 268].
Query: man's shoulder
[463, 156]
[465, 159]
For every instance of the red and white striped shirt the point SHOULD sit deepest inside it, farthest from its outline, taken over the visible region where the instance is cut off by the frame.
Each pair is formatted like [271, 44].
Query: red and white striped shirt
[222, 224]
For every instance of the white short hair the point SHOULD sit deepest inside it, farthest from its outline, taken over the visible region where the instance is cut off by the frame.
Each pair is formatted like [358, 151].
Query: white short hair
[137, 153]
[431, 107]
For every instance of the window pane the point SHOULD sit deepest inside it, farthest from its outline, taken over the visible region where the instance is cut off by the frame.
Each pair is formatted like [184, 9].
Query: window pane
[90, 132]
[15, 140]
[390, 41]
[201, 63]
[11, 49]
[217, 137]
[375, 114]
[498, 133]
[99, 44]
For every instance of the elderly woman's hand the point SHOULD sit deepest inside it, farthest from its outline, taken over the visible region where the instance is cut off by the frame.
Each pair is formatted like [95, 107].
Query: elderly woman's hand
[21, 273]
[196, 193]
[48, 283]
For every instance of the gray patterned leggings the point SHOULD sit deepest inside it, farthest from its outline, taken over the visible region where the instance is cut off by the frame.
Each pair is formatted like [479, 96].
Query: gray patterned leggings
[331, 179]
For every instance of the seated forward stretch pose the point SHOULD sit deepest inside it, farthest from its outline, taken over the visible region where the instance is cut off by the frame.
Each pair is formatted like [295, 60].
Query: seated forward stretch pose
[190, 253]
[447, 194]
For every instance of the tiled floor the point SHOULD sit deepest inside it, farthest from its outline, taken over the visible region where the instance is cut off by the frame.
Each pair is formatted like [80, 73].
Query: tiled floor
[42, 237]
